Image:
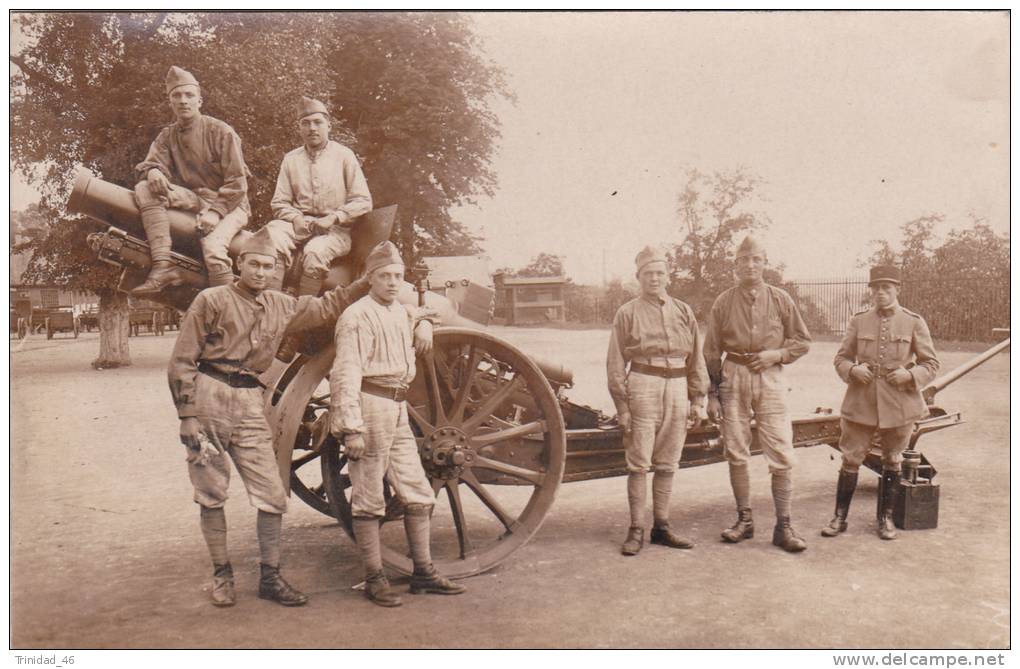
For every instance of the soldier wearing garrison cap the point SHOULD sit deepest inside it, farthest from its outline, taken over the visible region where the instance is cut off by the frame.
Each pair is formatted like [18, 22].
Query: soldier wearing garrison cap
[658, 380]
[886, 358]
[229, 337]
[196, 165]
[753, 330]
[374, 365]
[319, 192]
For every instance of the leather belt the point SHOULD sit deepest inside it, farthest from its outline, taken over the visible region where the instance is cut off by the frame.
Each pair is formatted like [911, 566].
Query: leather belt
[743, 359]
[232, 379]
[395, 394]
[664, 372]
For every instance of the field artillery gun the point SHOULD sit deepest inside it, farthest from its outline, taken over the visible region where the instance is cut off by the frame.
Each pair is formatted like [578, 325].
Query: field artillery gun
[496, 432]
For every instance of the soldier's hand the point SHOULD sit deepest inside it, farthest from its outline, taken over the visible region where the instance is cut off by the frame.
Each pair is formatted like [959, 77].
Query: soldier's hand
[207, 221]
[861, 374]
[696, 416]
[899, 377]
[354, 446]
[762, 361]
[158, 182]
[423, 338]
[190, 429]
[324, 223]
[624, 420]
[714, 409]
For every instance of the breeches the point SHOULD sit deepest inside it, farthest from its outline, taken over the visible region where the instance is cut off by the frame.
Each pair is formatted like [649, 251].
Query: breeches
[232, 419]
[744, 394]
[320, 250]
[658, 414]
[216, 243]
[855, 442]
[391, 452]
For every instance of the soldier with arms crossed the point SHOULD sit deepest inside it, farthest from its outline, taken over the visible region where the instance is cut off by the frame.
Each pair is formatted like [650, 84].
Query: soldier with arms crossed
[759, 329]
[374, 365]
[657, 378]
[886, 358]
[196, 165]
[228, 337]
[319, 192]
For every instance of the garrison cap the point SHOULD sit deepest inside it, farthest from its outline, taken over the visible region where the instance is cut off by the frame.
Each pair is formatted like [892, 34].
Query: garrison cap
[260, 243]
[648, 255]
[750, 246]
[308, 106]
[889, 273]
[179, 77]
[384, 253]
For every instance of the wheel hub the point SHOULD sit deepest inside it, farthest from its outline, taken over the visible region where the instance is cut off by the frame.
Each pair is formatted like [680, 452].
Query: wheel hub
[445, 452]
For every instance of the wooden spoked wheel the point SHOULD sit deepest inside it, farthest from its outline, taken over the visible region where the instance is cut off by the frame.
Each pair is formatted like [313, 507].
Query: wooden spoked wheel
[491, 438]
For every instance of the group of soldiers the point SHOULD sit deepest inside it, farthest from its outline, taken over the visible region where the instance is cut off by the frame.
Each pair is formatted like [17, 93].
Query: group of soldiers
[235, 328]
[665, 378]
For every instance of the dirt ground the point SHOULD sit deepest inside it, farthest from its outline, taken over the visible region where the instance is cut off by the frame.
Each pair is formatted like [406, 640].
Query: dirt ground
[106, 550]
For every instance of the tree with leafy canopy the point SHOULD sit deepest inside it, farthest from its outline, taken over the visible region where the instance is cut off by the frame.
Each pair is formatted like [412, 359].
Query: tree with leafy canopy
[410, 95]
[961, 285]
[544, 264]
[715, 211]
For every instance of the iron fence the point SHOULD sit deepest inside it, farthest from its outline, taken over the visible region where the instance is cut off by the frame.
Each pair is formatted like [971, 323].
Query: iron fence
[956, 309]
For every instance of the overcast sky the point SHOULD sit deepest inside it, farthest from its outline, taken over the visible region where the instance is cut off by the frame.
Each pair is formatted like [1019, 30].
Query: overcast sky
[858, 122]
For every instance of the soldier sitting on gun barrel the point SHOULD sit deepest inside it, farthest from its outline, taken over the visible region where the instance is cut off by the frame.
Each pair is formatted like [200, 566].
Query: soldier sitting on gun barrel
[195, 165]
[886, 358]
[319, 192]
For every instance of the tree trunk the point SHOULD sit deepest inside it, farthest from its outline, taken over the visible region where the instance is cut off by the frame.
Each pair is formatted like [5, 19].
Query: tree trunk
[113, 330]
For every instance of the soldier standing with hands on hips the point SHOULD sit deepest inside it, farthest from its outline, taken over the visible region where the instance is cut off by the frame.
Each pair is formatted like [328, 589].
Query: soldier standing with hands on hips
[228, 337]
[759, 329]
[886, 358]
[657, 379]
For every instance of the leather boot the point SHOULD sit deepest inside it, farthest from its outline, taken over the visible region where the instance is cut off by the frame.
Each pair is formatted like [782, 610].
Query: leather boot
[430, 580]
[784, 536]
[378, 590]
[274, 588]
[886, 504]
[634, 542]
[742, 529]
[845, 486]
[223, 585]
[664, 536]
[162, 275]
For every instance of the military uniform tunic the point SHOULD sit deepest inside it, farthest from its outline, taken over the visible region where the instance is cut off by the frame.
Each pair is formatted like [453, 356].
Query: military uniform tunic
[884, 340]
[229, 330]
[661, 333]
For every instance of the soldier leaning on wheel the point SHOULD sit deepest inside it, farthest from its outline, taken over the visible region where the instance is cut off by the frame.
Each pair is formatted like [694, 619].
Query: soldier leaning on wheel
[194, 165]
[886, 358]
[375, 363]
[759, 329]
[227, 338]
[657, 378]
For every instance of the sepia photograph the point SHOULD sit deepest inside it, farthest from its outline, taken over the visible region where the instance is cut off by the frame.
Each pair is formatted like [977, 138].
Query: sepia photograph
[467, 330]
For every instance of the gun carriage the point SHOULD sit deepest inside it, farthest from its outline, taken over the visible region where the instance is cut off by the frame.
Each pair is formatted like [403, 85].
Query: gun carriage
[496, 432]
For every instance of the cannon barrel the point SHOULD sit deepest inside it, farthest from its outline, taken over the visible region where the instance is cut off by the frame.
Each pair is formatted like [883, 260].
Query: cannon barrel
[115, 205]
[941, 382]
